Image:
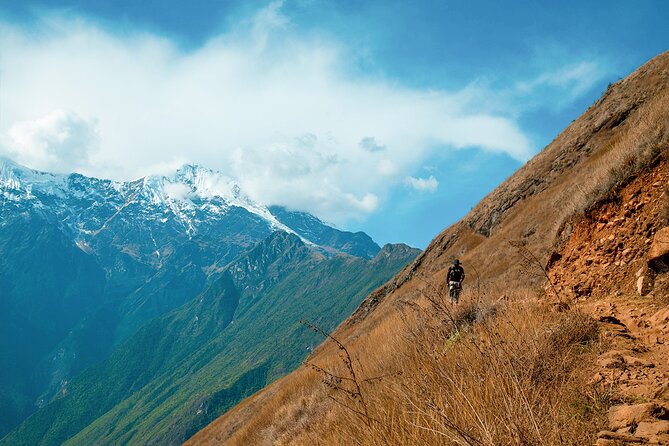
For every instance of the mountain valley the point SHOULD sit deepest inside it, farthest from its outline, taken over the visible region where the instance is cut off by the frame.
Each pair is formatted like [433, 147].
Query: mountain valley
[156, 270]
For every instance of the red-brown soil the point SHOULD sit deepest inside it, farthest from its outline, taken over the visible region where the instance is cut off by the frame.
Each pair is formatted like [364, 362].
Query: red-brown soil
[604, 268]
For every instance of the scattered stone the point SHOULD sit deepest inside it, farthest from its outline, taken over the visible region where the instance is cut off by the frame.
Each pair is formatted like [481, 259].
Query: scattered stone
[596, 378]
[660, 320]
[658, 255]
[627, 415]
[662, 439]
[638, 362]
[611, 360]
[644, 285]
[617, 437]
[650, 428]
[662, 392]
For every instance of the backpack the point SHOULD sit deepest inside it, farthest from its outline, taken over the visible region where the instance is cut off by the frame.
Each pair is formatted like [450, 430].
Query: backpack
[455, 273]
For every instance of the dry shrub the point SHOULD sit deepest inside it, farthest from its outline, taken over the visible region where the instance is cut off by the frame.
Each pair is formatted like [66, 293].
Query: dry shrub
[483, 373]
[492, 371]
[509, 380]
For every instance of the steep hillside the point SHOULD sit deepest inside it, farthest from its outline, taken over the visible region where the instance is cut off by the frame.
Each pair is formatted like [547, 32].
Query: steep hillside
[514, 363]
[182, 370]
[29, 331]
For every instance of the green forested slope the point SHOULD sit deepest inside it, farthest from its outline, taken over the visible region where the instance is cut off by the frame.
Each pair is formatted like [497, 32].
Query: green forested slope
[182, 370]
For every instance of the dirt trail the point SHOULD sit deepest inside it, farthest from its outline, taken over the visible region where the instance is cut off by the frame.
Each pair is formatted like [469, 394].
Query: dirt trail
[603, 266]
[634, 369]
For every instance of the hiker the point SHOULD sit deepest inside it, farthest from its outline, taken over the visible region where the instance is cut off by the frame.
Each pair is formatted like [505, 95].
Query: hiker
[455, 277]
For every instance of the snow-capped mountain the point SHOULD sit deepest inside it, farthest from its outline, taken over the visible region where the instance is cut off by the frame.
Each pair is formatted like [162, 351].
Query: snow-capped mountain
[192, 199]
[84, 261]
[192, 188]
[188, 195]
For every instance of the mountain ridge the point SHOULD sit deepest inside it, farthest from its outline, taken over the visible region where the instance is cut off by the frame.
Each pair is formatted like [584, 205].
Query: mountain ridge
[176, 192]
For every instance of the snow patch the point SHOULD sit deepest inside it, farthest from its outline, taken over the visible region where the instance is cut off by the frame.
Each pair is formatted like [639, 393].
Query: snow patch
[185, 193]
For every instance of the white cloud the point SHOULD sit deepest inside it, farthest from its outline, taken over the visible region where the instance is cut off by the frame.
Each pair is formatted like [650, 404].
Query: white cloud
[274, 110]
[423, 184]
[387, 168]
[177, 191]
[561, 86]
[369, 144]
[266, 21]
[59, 141]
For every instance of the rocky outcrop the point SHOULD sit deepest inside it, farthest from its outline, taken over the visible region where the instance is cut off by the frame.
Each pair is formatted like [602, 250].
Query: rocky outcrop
[605, 265]
[658, 255]
[608, 252]
[636, 424]
[627, 415]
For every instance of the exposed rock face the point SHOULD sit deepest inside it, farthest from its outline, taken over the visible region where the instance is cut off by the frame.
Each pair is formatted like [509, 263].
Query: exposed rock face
[607, 253]
[660, 320]
[658, 255]
[650, 428]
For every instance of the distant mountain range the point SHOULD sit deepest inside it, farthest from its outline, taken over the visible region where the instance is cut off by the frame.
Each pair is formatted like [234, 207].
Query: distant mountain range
[135, 286]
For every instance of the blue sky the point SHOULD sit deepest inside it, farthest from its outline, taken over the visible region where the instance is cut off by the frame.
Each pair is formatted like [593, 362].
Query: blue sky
[394, 118]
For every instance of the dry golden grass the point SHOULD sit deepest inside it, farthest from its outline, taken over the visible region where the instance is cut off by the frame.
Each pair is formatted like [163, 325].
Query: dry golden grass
[485, 372]
[482, 373]
[640, 144]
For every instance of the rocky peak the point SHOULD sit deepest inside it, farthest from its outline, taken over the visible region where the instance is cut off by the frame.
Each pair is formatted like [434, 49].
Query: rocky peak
[358, 244]
[396, 250]
[14, 176]
[191, 199]
[269, 257]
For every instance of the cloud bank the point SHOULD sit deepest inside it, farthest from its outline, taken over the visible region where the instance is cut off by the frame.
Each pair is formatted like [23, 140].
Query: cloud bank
[279, 112]
[59, 141]
[429, 184]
